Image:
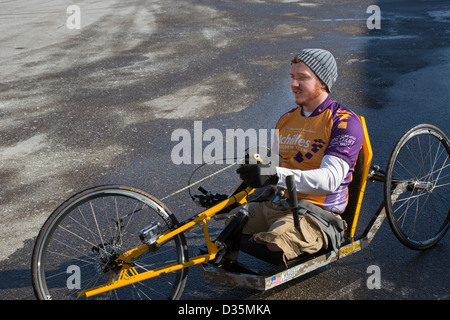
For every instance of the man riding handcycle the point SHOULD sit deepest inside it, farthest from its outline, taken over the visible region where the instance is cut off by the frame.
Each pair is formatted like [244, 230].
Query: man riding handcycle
[318, 143]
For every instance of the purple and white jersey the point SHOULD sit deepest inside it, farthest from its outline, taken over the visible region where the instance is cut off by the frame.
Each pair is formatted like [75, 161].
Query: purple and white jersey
[330, 130]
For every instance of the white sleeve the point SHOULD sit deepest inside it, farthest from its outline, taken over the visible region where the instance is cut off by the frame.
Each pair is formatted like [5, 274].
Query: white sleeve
[326, 179]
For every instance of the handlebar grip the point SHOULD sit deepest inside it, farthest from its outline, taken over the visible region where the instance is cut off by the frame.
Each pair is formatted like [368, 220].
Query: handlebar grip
[202, 190]
[293, 201]
[291, 190]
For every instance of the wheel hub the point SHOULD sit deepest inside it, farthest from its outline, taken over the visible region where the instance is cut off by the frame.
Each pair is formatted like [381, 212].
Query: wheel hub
[422, 185]
[107, 255]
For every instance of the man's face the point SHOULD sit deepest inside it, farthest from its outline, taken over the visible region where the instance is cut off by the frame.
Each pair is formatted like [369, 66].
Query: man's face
[306, 86]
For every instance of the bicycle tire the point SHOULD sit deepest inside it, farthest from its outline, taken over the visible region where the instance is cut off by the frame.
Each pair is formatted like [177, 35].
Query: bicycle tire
[79, 237]
[419, 168]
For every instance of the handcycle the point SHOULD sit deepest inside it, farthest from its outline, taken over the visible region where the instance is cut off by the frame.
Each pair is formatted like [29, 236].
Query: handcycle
[117, 242]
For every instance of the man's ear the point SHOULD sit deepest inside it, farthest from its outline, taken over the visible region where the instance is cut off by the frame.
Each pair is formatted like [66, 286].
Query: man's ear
[324, 86]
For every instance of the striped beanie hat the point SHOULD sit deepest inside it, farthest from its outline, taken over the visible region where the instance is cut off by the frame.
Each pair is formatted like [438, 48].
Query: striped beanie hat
[321, 62]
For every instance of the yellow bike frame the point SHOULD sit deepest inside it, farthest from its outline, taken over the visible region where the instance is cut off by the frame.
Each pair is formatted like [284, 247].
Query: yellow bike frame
[128, 274]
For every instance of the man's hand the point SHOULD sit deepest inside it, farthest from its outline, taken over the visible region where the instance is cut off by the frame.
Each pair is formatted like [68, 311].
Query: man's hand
[253, 177]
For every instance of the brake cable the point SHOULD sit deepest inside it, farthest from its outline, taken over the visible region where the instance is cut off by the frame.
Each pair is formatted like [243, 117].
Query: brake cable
[236, 161]
[198, 181]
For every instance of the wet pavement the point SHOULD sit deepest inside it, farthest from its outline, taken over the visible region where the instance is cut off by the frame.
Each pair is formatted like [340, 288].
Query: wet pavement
[99, 104]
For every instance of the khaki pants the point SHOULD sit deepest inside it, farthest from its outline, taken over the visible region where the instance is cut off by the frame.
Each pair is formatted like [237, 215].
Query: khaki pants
[272, 223]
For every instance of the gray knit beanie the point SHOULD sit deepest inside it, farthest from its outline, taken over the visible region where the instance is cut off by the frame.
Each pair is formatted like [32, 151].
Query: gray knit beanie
[321, 62]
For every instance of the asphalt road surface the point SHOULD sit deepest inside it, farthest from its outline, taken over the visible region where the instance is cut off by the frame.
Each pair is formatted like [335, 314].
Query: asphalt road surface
[99, 104]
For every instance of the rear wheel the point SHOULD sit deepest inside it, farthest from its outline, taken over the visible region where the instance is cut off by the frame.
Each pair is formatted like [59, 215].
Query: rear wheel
[80, 241]
[417, 187]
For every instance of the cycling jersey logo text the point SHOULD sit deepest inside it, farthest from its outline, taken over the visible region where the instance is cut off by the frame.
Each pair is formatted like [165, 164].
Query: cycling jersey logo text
[295, 139]
[305, 148]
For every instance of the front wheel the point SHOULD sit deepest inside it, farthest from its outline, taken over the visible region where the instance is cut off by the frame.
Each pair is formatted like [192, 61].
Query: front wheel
[78, 244]
[417, 187]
